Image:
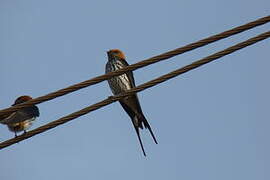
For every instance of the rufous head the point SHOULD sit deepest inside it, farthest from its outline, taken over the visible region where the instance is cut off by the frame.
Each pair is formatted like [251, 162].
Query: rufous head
[115, 54]
[22, 99]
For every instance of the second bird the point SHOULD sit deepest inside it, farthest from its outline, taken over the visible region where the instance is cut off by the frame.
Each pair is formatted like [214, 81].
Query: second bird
[121, 83]
[22, 119]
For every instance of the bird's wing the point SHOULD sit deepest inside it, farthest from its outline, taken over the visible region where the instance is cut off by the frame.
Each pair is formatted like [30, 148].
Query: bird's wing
[16, 117]
[133, 104]
[5, 119]
[4, 116]
[21, 115]
[129, 73]
[130, 105]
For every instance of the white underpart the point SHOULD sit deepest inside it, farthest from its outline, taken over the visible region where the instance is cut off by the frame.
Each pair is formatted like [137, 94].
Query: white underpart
[118, 84]
[28, 123]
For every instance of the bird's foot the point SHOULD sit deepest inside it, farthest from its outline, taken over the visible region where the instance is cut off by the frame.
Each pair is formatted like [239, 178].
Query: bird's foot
[110, 97]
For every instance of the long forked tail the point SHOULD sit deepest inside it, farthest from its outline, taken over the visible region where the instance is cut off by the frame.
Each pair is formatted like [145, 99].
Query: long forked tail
[147, 126]
[139, 137]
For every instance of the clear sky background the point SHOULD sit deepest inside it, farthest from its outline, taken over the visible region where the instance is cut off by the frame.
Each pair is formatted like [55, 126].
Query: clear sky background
[211, 123]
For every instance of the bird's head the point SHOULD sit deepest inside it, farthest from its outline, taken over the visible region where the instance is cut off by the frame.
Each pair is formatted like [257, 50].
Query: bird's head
[115, 54]
[22, 99]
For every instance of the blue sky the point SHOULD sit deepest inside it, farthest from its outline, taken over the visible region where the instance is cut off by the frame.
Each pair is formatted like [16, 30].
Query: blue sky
[211, 123]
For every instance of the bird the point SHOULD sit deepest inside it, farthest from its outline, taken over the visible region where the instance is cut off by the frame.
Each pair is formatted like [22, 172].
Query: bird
[122, 83]
[22, 119]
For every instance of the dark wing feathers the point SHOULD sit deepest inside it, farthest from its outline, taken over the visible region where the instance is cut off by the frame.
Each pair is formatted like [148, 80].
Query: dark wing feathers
[21, 115]
[129, 73]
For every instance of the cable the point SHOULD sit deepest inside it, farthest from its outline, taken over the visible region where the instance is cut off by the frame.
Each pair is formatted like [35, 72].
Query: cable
[142, 87]
[138, 65]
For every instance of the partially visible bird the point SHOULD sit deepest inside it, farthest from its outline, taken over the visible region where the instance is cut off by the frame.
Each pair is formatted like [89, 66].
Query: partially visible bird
[22, 119]
[121, 83]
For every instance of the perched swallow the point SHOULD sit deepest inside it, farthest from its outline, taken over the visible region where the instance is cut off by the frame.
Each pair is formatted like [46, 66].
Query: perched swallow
[121, 83]
[22, 119]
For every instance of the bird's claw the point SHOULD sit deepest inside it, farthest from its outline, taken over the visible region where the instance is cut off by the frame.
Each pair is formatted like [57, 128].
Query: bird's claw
[110, 97]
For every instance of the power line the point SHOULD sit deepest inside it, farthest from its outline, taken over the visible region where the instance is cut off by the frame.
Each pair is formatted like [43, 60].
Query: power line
[142, 87]
[138, 65]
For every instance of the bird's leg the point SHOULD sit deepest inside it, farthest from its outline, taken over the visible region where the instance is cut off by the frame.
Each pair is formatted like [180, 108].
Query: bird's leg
[24, 131]
[16, 134]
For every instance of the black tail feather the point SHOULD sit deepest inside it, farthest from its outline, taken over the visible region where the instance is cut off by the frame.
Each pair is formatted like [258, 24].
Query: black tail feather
[147, 126]
[139, 137]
